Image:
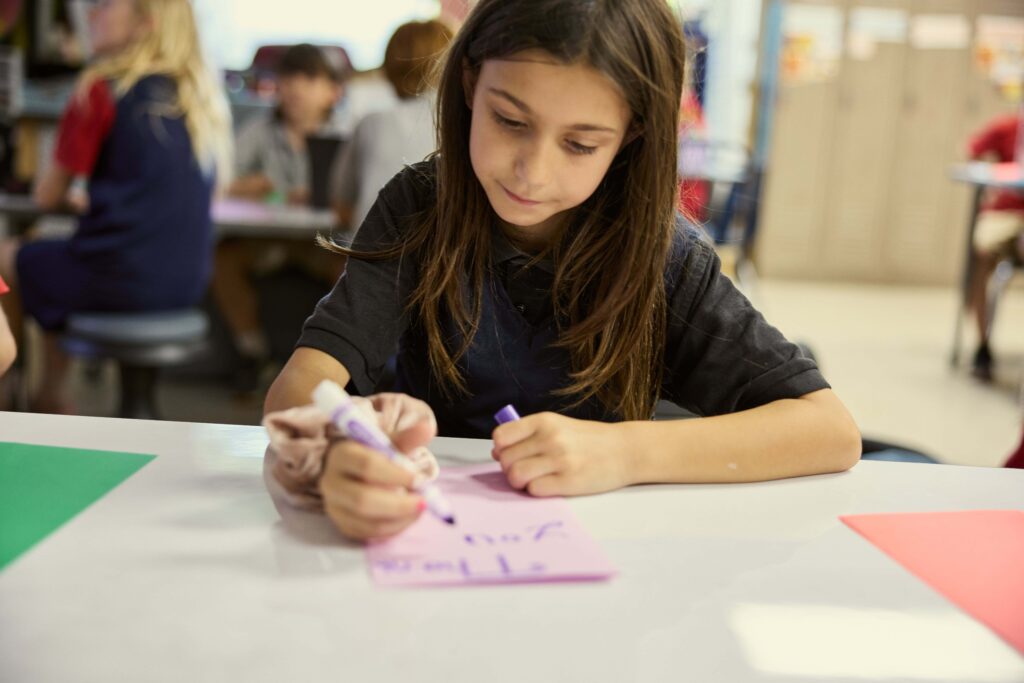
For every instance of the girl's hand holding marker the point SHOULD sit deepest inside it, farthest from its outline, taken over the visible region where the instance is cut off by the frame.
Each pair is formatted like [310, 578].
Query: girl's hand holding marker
[553, 455]
[367, 495]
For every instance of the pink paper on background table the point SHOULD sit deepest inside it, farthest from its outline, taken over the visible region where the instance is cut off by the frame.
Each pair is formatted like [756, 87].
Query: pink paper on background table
[975, 558]
[500, 536]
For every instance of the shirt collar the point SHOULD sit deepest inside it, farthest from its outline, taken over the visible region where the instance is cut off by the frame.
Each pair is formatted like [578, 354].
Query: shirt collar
[502, 251]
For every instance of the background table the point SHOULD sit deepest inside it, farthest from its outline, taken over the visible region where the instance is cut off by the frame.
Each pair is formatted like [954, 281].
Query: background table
[231, 217]
[235, 217]
[187, 573]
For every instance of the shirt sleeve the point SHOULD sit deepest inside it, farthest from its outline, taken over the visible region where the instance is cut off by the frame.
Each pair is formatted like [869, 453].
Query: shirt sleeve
[345, 175]
[980, 144]
[362, 319]
[721, 355]
[86, 122]
[995, 139]
[248, 144]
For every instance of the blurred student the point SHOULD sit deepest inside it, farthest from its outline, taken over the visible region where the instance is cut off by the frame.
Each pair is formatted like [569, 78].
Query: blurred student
[270, 152]
[149, 127]
[272, 164]
[8, 349]
[386, 141]
[999, 233]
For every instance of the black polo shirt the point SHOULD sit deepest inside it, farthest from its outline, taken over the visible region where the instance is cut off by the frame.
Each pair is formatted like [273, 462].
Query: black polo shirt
[720, 355]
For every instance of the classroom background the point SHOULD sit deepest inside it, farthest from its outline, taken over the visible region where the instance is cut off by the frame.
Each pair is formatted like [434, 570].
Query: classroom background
[825, 148]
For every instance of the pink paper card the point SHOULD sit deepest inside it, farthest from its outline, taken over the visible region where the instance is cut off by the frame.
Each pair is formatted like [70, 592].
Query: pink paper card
[500, 536]
[975, 558]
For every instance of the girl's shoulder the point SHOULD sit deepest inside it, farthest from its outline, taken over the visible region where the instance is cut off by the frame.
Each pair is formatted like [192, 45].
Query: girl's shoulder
[399, 208]
[412, 189]
[153, 87]
[690, 253]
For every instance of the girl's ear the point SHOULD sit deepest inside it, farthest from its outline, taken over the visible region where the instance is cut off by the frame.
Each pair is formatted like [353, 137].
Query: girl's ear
[469, 76]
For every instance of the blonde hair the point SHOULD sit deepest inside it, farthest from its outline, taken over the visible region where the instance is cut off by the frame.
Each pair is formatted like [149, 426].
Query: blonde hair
[172, 48]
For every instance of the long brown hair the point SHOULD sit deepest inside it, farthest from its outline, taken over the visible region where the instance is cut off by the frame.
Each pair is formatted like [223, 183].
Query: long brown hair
[609, 289]
[411, 53]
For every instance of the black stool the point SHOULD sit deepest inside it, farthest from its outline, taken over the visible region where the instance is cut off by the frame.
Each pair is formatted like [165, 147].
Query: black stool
[141, 343]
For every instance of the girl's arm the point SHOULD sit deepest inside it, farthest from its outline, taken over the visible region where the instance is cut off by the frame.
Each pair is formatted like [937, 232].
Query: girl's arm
[52, 187]
[256, 186]
[549, 454]
[813, 434]
[305, 369]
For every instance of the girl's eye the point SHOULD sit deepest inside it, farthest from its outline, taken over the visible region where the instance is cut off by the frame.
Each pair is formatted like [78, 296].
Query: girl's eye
[508, 123]
[512, 124]
[577, 148]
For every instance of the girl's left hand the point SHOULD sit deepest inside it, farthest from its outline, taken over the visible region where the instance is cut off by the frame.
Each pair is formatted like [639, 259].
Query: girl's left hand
[552, 455]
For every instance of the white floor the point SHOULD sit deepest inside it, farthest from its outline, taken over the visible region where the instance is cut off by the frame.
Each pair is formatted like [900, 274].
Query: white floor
[885, 349]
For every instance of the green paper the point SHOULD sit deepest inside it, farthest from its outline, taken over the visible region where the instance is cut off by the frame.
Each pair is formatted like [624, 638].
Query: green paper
[42, 487]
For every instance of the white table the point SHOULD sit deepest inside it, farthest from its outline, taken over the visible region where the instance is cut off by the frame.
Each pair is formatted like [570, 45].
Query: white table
[187, 573]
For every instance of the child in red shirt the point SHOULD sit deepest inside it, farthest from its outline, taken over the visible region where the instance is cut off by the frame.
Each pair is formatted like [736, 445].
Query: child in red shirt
[999, 233]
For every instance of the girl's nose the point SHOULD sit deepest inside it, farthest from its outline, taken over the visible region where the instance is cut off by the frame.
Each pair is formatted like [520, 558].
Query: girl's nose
[532, 165]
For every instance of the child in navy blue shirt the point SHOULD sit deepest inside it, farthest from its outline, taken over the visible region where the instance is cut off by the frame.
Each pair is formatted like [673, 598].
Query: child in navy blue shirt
[537, 260]
[148, 126]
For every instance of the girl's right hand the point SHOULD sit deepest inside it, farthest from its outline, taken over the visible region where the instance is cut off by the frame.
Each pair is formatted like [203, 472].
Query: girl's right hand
[366, 495]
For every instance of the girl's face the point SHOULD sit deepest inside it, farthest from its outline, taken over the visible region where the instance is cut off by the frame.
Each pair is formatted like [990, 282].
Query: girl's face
[542, 136]
[114, 25]
[305, 99]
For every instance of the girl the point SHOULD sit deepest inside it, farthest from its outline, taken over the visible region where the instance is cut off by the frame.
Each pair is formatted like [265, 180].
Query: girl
[149, 127]
[537, 260]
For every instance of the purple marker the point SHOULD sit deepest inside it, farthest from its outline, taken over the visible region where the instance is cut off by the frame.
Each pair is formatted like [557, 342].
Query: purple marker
[506, 414]
[337, 405]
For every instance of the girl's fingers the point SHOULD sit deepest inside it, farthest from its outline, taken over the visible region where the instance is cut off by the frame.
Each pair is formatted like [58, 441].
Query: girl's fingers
[511, 433]
[508, 456]
[370, 502]
[548, 485]
[365, 529]
[348, 458]
[524, 471]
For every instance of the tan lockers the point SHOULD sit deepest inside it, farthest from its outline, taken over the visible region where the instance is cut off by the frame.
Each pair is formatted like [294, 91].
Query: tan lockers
[857, 183]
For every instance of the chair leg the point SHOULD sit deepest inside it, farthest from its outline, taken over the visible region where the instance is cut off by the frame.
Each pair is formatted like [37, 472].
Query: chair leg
[997, 283]
[138, 392]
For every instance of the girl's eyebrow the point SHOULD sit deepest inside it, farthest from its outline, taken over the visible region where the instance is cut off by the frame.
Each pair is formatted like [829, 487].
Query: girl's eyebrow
[588, 127]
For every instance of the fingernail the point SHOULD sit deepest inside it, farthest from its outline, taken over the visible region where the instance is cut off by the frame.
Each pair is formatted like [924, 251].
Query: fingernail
[421, 506]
